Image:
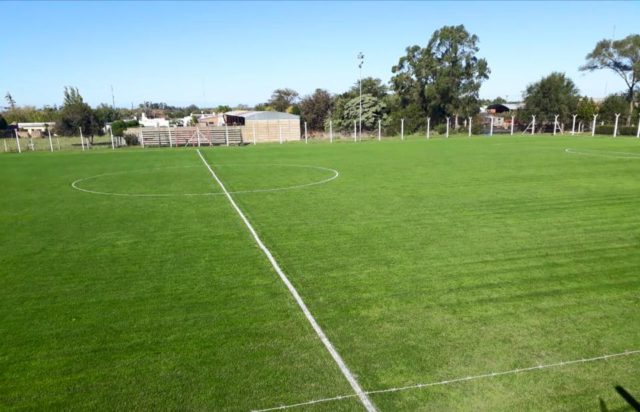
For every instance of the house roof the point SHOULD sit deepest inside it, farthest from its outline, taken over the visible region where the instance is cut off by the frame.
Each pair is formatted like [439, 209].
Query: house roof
[264, 115]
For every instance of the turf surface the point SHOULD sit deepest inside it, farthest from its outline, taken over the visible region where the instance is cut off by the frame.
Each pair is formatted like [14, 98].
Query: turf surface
[423, 261]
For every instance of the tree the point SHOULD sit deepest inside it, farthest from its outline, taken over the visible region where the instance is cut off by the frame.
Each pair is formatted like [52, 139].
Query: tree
[10, 101]
[371, 86]
[444, 78]
[223, 109]
[106, 114]
[612, 104]
[3, 123]
[282, 99]
[623, 58]
[551, 95]
[373, 109]
[315, 108]
[76, 114]
[498, 100]
[585, 110]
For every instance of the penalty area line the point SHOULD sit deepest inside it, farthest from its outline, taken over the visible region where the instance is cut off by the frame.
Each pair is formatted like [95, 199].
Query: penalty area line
[458, 380]
[364, 398]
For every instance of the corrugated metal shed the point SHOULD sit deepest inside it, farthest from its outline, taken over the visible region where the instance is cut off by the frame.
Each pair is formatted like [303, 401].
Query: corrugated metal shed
[252, 115]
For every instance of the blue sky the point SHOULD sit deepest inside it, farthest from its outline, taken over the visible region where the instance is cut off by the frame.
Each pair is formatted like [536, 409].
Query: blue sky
[233, 53]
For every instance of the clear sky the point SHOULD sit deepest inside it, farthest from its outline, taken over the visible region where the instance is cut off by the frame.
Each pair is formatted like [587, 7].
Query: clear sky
[233, 53]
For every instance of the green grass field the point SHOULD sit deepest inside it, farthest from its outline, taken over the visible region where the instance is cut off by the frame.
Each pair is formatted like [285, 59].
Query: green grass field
[423, 261]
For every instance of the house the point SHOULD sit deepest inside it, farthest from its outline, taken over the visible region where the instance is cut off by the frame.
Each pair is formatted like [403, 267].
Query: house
[159, 122]
[36, 129]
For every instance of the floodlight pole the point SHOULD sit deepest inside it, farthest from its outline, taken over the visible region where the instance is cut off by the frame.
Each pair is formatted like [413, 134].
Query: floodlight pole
[573, 124]
[615, 127]
[555, 123]
[18, 141]
[428, 127]
[81, 139]
[470, 119]
[361, 59]
[50, 142]
[593, 128]
[513, 118]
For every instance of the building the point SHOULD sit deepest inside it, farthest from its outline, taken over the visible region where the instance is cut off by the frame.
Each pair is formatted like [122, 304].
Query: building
[36, 129]
[265, 126]
[159, 122]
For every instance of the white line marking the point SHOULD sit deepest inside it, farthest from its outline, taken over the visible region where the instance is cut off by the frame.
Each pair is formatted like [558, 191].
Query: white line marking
[75, 183]
[467, 378]
[603, 153]
[334, 354]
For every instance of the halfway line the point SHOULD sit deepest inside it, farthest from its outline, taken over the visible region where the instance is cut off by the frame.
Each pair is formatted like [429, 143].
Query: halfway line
[364, 398]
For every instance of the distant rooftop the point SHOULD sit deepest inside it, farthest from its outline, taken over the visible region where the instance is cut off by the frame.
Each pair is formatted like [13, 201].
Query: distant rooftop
[262, 115]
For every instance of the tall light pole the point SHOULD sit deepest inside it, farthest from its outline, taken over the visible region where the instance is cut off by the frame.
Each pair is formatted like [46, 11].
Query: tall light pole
[361, 59]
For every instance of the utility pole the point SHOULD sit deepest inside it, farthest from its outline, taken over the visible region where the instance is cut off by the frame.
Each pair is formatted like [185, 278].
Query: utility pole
[361, 59]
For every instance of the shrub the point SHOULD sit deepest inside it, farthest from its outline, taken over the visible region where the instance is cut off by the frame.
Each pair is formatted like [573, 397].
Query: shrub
[441, 129]
[627, 131]
[131, 139]
[606, 129]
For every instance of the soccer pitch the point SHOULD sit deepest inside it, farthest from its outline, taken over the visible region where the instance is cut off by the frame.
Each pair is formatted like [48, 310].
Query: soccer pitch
[496, 273]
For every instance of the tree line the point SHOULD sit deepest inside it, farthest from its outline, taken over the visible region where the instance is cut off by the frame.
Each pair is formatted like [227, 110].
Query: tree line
[439, 80]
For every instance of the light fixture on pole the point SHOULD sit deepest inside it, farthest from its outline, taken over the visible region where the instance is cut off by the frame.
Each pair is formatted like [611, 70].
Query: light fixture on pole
[361, 59]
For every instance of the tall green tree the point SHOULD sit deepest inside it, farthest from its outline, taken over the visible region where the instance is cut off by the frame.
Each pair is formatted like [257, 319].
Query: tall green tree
[76, 114]
[612, 104]
[315, 108]
[623, 58]
[551, 95]
[443, 79]
[282, 99]
[373, 109]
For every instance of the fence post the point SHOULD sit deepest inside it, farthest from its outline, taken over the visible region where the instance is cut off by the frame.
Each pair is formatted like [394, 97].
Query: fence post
[615, 127]
[491, 126]
[254, 134]
[573, 125]
[113, 146]
[81, 139]
[470, 122]
[280, 129]
[18, 141]
[533, 124]
[638, 133]
[305, 133]
[5, 145]
[170, 143]
[447, 128]
[593, 128]
[379, 130]
[513, 118]
[355, 130]
[401, 129]
[330, 131]
[555, 123]
[50, 142]
[226, 134]
[428, 127]
[141, 135]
